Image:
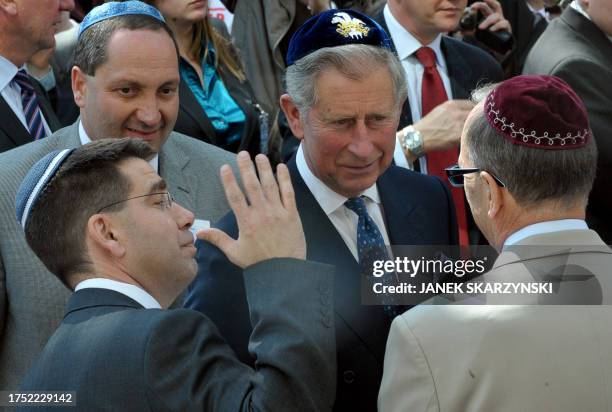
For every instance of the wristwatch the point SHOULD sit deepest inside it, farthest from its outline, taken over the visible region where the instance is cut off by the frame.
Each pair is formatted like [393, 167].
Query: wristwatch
[412, 141]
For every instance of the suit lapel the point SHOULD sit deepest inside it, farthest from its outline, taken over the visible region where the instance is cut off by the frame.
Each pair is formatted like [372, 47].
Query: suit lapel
[12, 126]
[369, 323]
[459, 70]
[173, 162]
[401, 214]
[588, 30]
[45, 106]
[190, 105]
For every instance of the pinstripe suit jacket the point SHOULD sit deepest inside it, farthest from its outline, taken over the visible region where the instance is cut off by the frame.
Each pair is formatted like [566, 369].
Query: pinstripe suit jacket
[32, 300]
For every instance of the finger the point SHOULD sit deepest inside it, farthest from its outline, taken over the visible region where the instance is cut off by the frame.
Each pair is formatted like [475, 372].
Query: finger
[249, 178]
[268, 182]
[217, 238]
[286, 188]
[234, 195]
[489, 21]
[501, 25]
[482, 7]
[494, 5]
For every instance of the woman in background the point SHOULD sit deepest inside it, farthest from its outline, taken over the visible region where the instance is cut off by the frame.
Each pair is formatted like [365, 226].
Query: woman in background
[216, 103]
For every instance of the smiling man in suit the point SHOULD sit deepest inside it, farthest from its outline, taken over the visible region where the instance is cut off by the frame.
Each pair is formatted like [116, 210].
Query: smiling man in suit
[125, 82]
[25, 28]
[345, 90]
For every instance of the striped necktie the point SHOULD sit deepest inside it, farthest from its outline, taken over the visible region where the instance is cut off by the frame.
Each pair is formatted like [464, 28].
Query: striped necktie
[371, 247]
[31, 108]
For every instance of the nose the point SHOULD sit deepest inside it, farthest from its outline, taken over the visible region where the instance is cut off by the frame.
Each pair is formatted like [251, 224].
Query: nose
[361, 145]
[66, 5]
[184, 218]
[148, 112]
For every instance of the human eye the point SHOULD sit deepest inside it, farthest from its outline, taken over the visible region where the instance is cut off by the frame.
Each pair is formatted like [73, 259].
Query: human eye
[126, 91]
[168, 91]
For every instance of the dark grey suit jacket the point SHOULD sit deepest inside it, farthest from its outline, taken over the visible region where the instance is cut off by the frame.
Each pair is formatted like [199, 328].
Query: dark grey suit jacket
[420, 213]
[32, 300]
[118, 356]
[12, 131]
[576, 50]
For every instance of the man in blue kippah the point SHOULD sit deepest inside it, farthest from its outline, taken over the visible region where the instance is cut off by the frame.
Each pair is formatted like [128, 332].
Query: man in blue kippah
[345, 90]
[123, 244]
[125, 82]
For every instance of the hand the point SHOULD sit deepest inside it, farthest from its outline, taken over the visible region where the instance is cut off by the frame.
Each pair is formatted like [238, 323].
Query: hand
[269, 226]
[441, 128]
[494, 16]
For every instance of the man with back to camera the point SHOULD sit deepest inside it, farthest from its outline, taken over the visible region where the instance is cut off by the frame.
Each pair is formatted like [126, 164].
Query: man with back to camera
[527, 162]
[124, 245]
[125, 82]
[345, 90]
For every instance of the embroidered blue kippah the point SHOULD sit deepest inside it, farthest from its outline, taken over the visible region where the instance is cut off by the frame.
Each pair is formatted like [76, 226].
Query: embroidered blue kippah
[35, 181]
[118, 8]
[336, 27]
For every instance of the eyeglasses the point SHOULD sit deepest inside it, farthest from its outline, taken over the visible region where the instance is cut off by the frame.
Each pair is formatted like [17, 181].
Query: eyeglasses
[455, 175]
[166, 202]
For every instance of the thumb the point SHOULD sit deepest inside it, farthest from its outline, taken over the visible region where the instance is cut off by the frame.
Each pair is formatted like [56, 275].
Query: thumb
[217, 238]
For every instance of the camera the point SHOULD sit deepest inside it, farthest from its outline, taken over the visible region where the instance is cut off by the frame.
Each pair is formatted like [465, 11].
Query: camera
[500, 41]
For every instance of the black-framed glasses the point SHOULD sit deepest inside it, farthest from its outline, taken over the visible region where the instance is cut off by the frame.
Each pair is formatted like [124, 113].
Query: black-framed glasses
[455, 175]
[167, 200]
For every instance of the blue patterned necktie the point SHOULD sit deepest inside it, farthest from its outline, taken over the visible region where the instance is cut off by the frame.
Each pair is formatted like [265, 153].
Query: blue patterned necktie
[31, 109]
[371, 247]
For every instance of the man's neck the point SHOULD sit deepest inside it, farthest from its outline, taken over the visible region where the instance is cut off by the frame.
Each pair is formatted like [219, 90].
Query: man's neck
[407, 23]
[13, 52]
[531, 216]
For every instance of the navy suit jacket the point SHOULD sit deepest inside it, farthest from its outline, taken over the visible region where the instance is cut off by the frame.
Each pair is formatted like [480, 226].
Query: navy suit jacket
[417, 209]
[468, 67]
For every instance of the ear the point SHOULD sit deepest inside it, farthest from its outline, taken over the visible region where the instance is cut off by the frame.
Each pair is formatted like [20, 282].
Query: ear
[103, 234]
[9, 7]
[292, 114]
[495, 194]
[79, 85]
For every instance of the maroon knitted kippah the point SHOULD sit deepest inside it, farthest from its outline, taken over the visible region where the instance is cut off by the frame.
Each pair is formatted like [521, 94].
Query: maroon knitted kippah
[538, 111]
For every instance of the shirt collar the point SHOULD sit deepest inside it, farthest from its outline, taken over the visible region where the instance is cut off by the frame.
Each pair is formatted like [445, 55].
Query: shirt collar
[406, 44]
[154, 162]
[545, 227]
[7, 72]
[131, 291]
[329, 200]
[542, 12]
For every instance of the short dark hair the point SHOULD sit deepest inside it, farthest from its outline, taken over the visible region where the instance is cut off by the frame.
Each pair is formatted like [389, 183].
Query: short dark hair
[531, 175]
[92, 47]
[87, 180]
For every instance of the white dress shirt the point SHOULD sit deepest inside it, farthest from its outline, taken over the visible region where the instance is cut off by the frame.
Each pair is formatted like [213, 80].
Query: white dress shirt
[344, 220]
[154, 162]
[11, 92]
[131, 291]
[545, 227]
[406, 45]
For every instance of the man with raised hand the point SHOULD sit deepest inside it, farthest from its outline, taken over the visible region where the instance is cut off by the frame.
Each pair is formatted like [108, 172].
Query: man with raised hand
[123, 244]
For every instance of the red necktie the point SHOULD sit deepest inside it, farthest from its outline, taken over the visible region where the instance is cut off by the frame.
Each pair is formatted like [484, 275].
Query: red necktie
[432, 95]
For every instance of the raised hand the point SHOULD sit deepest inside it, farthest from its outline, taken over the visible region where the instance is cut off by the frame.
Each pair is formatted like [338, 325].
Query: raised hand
[269, 224]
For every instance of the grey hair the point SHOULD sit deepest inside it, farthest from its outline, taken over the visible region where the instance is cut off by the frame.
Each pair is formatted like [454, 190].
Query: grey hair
[355, 61]
[531, 175]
